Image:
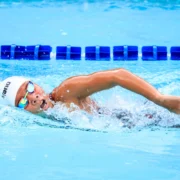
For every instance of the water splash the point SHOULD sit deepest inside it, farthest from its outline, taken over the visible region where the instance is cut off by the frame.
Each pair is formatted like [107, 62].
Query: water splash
[132, 115]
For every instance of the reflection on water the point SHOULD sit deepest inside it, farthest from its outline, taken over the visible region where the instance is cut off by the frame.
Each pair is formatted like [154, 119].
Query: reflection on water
[141, 5]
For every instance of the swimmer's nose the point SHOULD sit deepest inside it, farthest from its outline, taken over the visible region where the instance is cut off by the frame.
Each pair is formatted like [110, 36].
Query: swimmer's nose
[36, 100]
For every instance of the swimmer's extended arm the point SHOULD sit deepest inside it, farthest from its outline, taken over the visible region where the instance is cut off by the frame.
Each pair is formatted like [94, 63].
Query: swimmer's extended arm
[83, 86]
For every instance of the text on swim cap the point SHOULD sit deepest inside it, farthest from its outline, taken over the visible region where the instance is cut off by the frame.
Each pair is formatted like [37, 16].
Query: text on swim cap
[5, 89]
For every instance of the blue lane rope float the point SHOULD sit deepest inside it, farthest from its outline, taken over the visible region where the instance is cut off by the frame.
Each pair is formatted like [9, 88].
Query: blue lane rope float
[68, 53]
[154, 53]
[104, 53]
[175, 53]
[37, 52]
[124, 53]
[93, 53]
[97, 53]
[12, 51]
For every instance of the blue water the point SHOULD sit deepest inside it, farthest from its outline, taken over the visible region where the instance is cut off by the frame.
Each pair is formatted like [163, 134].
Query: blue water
[91, 147]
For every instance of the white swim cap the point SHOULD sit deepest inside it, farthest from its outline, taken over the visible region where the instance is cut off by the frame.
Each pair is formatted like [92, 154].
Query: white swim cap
[9, 88]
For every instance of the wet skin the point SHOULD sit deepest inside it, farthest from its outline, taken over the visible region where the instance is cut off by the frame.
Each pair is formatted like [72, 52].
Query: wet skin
[78, 89]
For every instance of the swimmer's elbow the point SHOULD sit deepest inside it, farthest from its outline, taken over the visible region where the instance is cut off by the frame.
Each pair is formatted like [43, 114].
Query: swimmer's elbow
[119, 75]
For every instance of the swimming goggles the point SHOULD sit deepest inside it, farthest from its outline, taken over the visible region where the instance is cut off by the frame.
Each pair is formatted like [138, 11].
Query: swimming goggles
[24, 101]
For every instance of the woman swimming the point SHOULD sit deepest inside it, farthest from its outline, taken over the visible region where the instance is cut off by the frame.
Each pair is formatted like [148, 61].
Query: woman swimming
[22, 93]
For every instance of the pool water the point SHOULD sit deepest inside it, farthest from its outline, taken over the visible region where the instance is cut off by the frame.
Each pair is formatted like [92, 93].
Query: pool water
[91, 146]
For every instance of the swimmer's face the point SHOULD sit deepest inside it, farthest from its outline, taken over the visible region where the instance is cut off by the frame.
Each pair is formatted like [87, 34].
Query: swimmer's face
[38, 101]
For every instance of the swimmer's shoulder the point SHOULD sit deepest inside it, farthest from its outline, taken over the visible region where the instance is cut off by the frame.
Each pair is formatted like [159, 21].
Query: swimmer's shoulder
[63, 93]
[66, 91]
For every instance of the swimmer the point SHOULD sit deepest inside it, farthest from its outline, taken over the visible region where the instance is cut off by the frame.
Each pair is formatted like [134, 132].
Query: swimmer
[25, 94]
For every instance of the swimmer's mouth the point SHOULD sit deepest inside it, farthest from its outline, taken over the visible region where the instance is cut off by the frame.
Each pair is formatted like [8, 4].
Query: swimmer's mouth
[43, 104]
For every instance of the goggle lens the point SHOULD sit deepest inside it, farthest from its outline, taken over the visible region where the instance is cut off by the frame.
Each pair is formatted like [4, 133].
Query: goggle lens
[24, 102]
